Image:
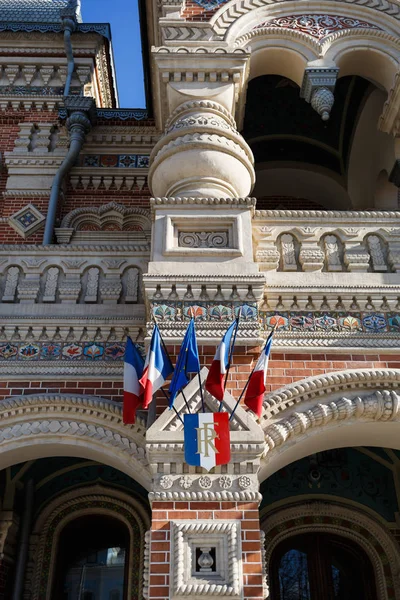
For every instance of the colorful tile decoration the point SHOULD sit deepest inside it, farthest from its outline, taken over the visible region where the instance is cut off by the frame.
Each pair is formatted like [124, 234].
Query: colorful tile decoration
[123, 161]
[223, 312]
[27, 218]
[203, 311]
[332, 322]
[65, 351]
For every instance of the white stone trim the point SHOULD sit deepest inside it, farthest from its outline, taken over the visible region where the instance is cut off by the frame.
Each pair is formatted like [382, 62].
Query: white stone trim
[225, 537]
[85, 426]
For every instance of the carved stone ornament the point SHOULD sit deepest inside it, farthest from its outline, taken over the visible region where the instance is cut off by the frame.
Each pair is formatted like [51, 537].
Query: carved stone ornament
[205, 482]
[203, 239]
[186, 482]
[27, 220]
[224, 537]
[166, 482]
[225, 482]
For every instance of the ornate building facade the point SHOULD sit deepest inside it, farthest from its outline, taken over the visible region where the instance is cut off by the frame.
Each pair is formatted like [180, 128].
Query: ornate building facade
[262, 178]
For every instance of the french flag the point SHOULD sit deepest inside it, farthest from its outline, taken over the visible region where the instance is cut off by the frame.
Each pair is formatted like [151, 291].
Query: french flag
[133, 369]
[256, 386]
[156, 368]
[215, 378]
[207, 439]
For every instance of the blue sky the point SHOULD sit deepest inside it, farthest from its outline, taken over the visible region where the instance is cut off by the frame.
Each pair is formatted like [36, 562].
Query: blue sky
[123, 17]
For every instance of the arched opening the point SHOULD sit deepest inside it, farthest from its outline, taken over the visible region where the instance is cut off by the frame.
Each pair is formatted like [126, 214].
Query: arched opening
[92, 559]
[84, 525]
[304, 162]
[314, 566]
[328, 520]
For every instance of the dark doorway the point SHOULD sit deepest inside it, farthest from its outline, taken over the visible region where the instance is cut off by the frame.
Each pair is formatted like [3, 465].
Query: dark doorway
[92, 560]
[315, 566]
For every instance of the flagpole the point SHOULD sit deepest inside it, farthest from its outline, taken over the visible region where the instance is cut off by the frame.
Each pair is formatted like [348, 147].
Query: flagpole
[167, 353]
[176, 412]
[198, 372]
[230, 355]
[249, 377]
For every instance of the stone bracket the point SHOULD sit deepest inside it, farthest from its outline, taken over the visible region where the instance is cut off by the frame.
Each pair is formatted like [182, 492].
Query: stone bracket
[317, 89]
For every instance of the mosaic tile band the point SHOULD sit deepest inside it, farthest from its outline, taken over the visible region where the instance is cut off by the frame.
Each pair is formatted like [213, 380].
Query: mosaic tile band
[123, 161]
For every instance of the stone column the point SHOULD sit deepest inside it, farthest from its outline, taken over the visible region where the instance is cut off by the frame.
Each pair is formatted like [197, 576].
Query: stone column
[205, 539]
[201, 154]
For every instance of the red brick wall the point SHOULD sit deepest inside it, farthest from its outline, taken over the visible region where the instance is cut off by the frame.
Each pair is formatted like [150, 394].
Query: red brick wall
[283, 369]
[164, 512]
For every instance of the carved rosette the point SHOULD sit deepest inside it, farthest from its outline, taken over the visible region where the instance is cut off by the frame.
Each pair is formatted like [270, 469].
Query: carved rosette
[201, 155]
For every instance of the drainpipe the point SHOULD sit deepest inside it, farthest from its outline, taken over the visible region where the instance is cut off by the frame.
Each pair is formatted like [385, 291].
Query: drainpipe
[68, 17]
[24, 541]
[79, 123]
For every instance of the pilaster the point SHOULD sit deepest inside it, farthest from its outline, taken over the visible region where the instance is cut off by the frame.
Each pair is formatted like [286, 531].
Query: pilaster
[205, 535]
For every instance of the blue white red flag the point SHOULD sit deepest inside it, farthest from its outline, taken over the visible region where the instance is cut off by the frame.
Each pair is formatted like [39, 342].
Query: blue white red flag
[188, 362]
[215, 378]
[256, 386]
[133, 369]
[156, 368]
[207, 439]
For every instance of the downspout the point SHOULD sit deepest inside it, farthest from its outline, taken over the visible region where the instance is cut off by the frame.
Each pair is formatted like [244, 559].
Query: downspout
[24, 541]
[79, 123]
[69, 25]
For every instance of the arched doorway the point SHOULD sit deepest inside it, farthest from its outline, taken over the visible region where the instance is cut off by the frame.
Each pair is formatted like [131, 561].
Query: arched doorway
[318, 565]
[92, 560]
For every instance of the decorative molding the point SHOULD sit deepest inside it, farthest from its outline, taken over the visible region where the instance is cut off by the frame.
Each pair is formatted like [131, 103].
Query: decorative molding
[93, 423]
[329, 383]
[318, 26]
[27, 220]
[226, 580]
[229, 13]
[383, 405]
[206, 496]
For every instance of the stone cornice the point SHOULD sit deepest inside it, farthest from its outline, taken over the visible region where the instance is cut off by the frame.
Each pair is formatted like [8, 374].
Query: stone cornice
[249, 496]
[31, 249]
[196, 202]
[297, 215]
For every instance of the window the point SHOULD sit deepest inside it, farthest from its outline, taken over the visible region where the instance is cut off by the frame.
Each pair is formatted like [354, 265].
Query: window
[92, 560]
[316, 566]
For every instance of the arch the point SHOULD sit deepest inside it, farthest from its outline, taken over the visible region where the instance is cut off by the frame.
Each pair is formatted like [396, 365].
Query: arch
[327, 517]
[62, 510]
[279, 60]
[72, 425]
[227, 23]
[339, 409]
[368, 58]
[108, 217]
